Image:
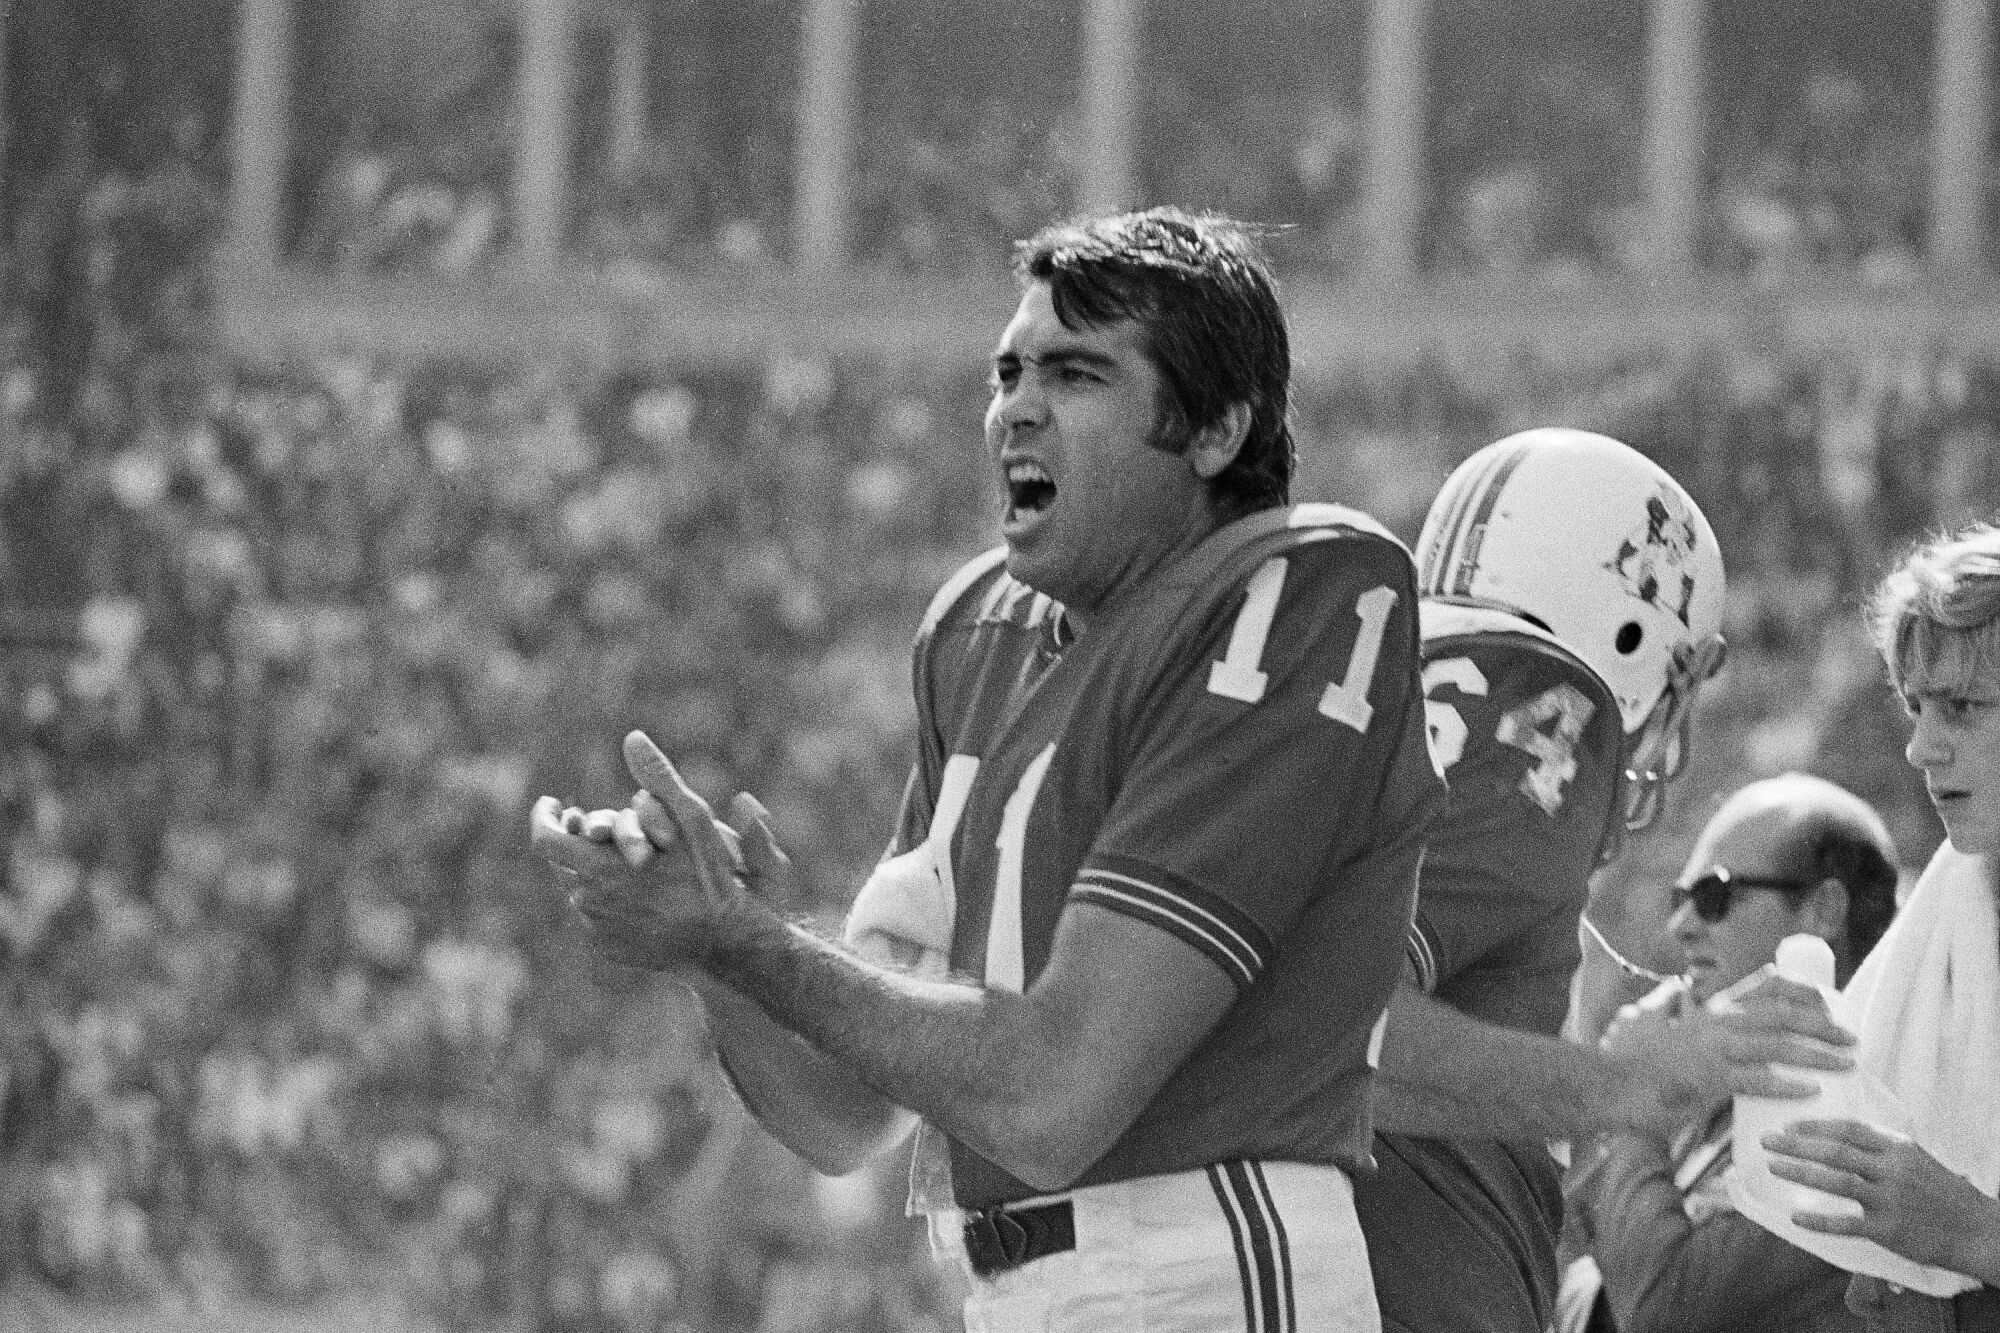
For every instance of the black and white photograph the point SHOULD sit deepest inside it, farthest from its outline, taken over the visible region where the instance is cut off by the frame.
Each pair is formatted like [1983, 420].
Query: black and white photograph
[1086, 666]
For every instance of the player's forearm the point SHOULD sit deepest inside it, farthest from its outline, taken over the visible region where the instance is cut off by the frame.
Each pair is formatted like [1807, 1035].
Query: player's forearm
[808, 1101]
[1447, 1074]
[981, 1064]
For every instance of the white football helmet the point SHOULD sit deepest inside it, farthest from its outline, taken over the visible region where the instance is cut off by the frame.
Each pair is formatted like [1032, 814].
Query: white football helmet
[1593, 542]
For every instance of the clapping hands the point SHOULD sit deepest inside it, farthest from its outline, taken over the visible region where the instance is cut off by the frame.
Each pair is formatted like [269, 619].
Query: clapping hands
[660, 882]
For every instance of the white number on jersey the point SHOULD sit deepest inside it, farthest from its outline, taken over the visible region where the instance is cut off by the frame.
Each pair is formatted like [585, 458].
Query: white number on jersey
[1239, 674]
[1548, 727]
[1346, 700]
[1004, 965]
[1446, 724]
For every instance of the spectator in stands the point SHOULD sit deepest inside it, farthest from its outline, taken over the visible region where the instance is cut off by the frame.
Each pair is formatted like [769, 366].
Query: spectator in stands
[1664, 1249]
[1928, 1001]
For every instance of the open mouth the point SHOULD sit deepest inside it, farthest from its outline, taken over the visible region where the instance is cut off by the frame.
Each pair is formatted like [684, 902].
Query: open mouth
[1030, 490]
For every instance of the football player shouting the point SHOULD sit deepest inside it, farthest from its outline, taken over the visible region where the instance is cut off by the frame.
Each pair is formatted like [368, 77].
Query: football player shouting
[1154, 871]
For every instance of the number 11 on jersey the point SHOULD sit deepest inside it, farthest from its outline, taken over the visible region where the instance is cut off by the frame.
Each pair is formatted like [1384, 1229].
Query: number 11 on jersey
[1239, 674]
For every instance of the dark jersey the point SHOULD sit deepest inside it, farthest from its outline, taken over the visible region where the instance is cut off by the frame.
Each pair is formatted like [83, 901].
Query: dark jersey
[1462, 1232]
[1235, 755]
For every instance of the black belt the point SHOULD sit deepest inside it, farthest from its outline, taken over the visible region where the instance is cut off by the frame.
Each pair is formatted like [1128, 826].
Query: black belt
[999, 1238]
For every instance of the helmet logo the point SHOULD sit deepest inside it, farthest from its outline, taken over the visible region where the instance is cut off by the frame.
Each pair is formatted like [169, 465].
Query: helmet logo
[1653, 561]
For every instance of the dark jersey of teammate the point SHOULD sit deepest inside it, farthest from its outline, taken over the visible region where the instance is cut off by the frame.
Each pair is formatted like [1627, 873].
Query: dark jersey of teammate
[1235, 754]
[1462, 1232]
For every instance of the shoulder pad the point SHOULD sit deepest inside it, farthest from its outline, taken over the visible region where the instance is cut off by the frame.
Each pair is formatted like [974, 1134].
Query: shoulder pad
[1313, 514]
[1450, 620]
[1437, 621]
[1271, 532]
[1290, 525]
[958, 585]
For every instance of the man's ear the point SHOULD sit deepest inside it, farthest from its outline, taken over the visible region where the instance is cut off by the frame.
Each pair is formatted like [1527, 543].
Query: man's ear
[1214, 449]
[1828, 903]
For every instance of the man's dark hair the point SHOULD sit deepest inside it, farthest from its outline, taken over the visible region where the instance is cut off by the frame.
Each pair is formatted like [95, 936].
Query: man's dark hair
[1202, 292]
[1847, 855]
[1839, 836]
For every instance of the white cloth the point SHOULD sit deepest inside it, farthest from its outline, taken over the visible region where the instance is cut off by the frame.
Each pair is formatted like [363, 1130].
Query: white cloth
[1925, 1005]
[1268, 1247]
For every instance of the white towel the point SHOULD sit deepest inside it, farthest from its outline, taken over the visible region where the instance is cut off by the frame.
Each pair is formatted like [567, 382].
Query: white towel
[1925, 1005]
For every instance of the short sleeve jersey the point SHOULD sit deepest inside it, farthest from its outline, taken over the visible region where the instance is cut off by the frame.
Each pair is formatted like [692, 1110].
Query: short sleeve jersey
[1462, 1232]
[1533, 748]
[1234, 754]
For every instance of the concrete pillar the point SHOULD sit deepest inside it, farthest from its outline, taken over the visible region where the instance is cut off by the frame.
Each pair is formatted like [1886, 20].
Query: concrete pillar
[542, 133]
[630, 109]
[1674, 131]
[260, 130]
[5, 216]
[1392, 187]
[1961, 124]
[1111, 47]
[823, 172]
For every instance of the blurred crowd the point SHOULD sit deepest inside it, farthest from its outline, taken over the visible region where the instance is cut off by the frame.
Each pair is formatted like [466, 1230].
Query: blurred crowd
[287, 1007]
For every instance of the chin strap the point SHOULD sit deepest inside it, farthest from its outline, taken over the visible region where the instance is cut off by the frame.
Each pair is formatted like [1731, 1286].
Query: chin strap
[1625, 965]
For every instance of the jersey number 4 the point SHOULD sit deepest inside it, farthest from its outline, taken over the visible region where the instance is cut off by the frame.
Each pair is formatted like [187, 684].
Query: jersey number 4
[1546, 727]
[1239, 674]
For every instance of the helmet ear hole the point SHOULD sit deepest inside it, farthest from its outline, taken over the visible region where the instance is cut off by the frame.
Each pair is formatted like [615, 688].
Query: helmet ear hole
[1628, 638]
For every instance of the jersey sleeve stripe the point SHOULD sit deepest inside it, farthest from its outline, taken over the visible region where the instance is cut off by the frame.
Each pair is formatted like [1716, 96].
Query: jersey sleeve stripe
[1215, 927]
[1423, 958]
[1226, 921]
[1155, 913]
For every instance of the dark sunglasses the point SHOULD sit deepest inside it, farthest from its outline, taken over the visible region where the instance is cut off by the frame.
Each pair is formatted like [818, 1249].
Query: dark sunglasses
[1713, 892]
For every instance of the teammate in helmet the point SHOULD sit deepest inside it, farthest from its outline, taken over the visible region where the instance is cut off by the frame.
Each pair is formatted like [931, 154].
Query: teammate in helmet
[1590, 542]
[1572, 602]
